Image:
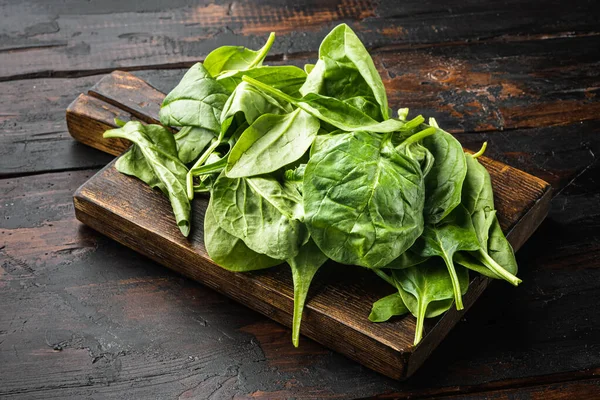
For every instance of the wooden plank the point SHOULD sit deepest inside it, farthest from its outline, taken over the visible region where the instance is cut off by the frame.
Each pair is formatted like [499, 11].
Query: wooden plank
[108, 204]
[62, 283]
[495, 87]
[52, 38]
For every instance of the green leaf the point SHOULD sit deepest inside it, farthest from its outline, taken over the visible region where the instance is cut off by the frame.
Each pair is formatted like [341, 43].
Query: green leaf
[230, 252]
[367, 105]
[345, 69]
[454, 233]
[387, 307]
[477, 192]
[236, 58]
[443, 183]
[197, 100]
[304, 267]
[263, 213]
[363, 200]
[272, 142]
[494, 257]
[308, 68]
[170, 172]
[333, 111]
[286, 78]
[191, 141]
[407, 259]
[253, 103]
[427, 290]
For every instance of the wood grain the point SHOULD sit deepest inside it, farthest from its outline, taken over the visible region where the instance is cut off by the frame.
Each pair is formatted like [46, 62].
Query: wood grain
[64, 284]
[109, 204]
[93, 38]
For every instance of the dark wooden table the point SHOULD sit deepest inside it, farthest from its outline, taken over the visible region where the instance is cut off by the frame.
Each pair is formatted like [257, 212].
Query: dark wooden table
[84, 317]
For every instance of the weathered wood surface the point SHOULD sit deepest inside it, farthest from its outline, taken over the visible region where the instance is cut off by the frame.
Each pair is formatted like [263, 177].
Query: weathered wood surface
[57, 38]
[117, 205]
[127, 327]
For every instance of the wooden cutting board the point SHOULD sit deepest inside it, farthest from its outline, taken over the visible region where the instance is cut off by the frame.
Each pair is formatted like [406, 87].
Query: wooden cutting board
[336, 313]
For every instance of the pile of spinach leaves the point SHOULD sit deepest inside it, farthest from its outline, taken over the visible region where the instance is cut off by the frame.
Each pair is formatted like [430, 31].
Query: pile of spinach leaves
[306, 166]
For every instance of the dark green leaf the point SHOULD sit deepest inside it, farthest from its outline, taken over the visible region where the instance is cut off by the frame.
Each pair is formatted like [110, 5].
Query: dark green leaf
[150, 141]
[191, 141]
[229, 251]
[427, 290]
[197, 100]
[263, 213]
[236, 58]
[253, 103]
[286, 78]
[272, 142]
[454, 233]
[345, 69]
[363, 200]
[387, 307]
[443, 183]
[304, 267]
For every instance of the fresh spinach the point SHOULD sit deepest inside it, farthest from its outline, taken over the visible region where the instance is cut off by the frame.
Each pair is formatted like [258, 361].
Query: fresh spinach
[266, 215]
[363, 200]
[302, 168]
[160, 166]
[387, 307]
[344, 60]
[236, 58]
[443, 184]
[304, 267]
[229, 251]
[427, 290]
[336, 112]
[454, 233]
[197, 100]
[272, 142]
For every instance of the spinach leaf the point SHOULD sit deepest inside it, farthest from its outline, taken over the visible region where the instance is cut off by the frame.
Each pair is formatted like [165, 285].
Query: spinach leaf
[333, 111]
[191, 141]
[229, 251]
[494, 257]
[443, 184]
[387, 307]
[287, 78]
[454, 233]
[427, 290]
[197, 100]
[407, 259]
[263, 213]
[169, 172]
[252, 103]
[367, 105]
[304, 267]
[236, 58]
[272, 142]
[345, 69]
[363, 200]
[308, 68]
[477, 192]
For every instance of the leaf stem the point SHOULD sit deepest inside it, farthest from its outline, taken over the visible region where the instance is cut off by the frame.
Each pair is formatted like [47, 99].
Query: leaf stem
[455, 283]
[418, 136]
[270, 90]
[420, 322]
[481, 151]
[498, 270]
[263, 52]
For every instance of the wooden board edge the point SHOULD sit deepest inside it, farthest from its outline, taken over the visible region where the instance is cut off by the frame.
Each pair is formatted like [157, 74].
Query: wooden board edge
[518, 236]
[371, 353]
